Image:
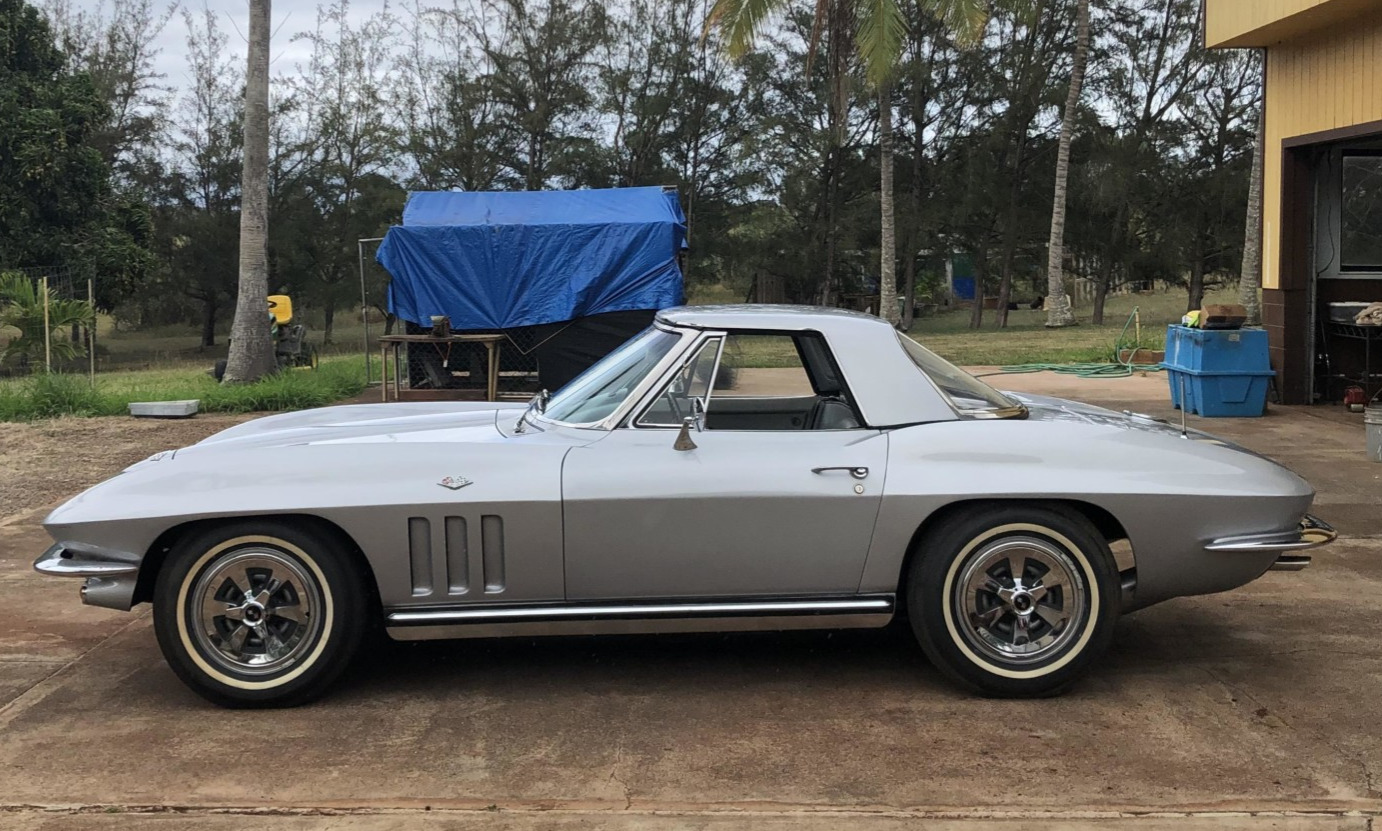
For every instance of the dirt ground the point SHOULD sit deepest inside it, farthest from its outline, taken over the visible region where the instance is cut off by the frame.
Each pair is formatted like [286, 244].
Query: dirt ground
[44, 462]
[1259, 708]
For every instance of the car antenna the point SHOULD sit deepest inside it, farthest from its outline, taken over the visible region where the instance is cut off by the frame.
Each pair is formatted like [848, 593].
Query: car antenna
[1183, 405]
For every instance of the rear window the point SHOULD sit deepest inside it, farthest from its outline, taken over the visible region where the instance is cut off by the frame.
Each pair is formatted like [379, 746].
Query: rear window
[967, 394]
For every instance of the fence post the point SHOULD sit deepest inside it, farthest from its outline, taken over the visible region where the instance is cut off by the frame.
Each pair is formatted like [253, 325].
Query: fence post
[47, 335]
[91, 331]
[364, 307]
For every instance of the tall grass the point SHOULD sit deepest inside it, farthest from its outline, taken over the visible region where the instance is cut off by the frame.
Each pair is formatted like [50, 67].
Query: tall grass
[56, 394]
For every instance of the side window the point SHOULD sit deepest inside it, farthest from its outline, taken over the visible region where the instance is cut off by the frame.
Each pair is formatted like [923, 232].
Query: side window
[762, 366]
[778, 382]
[691, 381]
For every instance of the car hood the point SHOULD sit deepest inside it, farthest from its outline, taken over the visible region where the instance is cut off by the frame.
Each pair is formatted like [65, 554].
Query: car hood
[363, 423]
[1047, 408]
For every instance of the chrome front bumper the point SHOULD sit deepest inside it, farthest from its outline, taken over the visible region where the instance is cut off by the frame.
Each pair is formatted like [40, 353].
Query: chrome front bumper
[1311, 533]
[110, 575]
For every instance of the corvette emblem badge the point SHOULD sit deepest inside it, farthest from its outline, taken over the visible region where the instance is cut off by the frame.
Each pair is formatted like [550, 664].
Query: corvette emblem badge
[454, 483]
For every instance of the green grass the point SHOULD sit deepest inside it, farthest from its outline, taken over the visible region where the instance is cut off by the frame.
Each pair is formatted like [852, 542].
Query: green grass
[1026, 340]
[49, 396]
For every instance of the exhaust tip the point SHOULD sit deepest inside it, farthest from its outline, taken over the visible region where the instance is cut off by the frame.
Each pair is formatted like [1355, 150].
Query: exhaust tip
[1290, 562]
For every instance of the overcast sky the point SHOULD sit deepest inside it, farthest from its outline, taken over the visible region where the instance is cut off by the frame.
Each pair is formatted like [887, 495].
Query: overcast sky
[289, 18]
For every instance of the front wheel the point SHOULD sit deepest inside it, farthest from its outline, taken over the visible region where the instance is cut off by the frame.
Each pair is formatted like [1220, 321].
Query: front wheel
[1013, 601]
[259, 613]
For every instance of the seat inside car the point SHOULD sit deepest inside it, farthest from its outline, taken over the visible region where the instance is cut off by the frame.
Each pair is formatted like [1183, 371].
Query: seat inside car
[832, 413]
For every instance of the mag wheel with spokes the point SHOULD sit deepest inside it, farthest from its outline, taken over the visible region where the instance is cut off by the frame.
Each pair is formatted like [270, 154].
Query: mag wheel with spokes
[259, 613]
[1013, 600]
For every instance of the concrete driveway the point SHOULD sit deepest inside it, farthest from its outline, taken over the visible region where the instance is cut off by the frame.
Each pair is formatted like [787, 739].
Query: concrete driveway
[1260, 708]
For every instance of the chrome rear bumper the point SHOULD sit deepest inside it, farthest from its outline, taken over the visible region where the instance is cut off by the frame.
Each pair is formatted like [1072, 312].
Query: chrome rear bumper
[110, 575]
[1311, 533]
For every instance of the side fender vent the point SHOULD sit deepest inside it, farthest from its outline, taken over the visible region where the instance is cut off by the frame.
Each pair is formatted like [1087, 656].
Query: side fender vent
[420, 555]
[457, 556]
[492, 549]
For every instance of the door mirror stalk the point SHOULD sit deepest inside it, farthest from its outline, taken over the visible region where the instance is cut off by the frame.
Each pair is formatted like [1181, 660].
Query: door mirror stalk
[684, 441]
[694, 421]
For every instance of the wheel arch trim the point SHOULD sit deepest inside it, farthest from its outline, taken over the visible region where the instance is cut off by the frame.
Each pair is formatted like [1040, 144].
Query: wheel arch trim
[1104, 522]
[157, 553]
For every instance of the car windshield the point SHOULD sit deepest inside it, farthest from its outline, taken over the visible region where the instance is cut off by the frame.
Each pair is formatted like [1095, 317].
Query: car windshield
[967, 393]
[599, 391]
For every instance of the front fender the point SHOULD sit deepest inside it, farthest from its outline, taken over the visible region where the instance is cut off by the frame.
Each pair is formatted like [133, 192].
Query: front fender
[369, 488]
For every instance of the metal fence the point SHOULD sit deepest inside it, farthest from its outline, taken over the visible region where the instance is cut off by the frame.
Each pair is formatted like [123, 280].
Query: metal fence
[44, 301]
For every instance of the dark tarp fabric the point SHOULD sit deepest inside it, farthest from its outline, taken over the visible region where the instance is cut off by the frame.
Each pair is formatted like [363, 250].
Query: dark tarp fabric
[565, 350]
[504, 260]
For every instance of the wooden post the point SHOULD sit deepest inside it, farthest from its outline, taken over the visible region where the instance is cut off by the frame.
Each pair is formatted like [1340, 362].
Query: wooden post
[47, 336]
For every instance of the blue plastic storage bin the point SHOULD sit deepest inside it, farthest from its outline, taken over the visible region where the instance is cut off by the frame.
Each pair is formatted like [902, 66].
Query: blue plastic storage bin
[1220, 395]
[1224, 374]
[1211, 350]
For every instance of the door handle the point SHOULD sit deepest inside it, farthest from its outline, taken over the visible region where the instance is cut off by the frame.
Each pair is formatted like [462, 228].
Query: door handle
[856, 472]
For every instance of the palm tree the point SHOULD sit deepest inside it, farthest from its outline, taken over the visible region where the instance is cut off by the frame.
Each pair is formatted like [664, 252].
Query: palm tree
[21, 308]
[1058, 311]
[879, 29]
[1250, 281]
[251, 351]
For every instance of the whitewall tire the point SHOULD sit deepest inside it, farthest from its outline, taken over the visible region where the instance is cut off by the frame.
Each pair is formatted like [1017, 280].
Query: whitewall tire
[1013, 600]
[259, 613]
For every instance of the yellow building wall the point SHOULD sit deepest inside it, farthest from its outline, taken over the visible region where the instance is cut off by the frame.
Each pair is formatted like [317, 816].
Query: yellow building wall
[1329, 80]
[1268, 22]
[1225, 20]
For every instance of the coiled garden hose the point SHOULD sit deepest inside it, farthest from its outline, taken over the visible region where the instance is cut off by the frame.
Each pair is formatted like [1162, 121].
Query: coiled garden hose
[1116, 369]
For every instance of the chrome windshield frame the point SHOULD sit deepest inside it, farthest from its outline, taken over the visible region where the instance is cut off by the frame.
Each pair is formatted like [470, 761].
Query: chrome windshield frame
[667, 373]
[651, 380]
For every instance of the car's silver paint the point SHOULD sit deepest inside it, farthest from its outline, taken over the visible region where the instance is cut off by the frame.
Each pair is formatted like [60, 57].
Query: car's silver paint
[1173, 496]
[742, 514]
[640, 515]
[367, 475]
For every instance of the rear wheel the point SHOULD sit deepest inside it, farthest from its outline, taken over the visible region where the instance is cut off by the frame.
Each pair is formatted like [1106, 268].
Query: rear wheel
[1013, 600]
[259, 614]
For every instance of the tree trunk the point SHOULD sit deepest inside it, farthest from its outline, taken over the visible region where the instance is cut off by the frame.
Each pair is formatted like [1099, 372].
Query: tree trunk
[1005, 280]
[328, 321]
[981, 268]
[1101, 290]
[832, 196]
[1196, 286]
[887, 267]
[1058, 312]
[209, 321]
[251, 351]
[1250, 281]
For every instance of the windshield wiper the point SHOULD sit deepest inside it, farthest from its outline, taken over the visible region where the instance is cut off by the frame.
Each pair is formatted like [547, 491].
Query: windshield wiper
[538, 404]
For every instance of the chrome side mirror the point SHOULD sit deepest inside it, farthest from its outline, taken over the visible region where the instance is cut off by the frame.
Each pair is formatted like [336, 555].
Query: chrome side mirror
[683, 441]
[696, 420]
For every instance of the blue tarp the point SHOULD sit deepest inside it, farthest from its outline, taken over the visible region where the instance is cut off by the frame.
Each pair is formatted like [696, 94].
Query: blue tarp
[502, 260]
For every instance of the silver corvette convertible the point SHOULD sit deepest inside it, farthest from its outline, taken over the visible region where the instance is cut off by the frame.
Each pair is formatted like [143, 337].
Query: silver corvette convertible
[729, 468]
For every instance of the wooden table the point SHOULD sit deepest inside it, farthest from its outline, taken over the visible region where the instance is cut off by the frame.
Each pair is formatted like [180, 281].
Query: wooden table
[389, 346]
